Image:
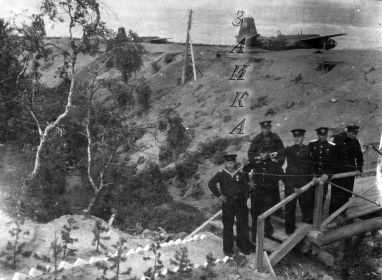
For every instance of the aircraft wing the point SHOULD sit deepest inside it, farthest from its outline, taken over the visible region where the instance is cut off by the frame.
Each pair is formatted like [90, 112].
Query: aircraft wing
[322, 37]
[158, 39]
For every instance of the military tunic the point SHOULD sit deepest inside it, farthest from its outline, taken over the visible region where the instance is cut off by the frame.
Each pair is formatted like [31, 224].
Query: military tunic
[266, 192]
[235, 187]
[323, 156]
[298, 173]
[350, 158]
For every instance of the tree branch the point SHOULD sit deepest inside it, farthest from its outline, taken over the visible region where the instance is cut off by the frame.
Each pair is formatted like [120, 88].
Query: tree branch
[40, 132]
[51, 126]
[104, 168]
[89, 151]
[6, 79]
[89, 136]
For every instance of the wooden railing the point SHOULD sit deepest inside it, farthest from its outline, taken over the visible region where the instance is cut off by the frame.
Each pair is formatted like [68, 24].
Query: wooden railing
[317, 216]
[261, 223]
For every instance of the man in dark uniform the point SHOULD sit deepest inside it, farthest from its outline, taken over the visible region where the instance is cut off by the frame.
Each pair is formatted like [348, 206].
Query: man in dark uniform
[298, 173]
[350, 158]
[265, 174]
[233, 194]
[323, 157]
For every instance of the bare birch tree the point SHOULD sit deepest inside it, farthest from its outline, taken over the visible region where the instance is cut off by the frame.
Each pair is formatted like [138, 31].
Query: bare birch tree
[79, 14]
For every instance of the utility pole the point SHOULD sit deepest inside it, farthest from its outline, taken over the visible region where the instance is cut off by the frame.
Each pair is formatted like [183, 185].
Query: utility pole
[185, 61]
[193, 60]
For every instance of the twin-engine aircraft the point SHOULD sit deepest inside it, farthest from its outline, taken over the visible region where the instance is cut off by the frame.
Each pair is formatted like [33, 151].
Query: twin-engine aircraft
[283, 42]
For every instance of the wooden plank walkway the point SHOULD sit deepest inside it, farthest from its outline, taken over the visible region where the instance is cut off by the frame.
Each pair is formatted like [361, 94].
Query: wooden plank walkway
[372, 191]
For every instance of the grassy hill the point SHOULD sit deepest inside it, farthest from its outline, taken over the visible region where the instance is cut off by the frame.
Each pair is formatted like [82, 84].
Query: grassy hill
[295, 88]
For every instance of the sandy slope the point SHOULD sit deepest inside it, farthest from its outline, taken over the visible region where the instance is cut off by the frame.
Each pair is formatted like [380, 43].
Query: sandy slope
[298, 93]
[349, 92]
[41, 236]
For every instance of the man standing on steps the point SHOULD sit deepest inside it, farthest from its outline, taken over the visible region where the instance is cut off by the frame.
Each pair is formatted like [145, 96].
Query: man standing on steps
[265, 174]
[350, 158]
[233, 194]
[323, 157]
[298, 173]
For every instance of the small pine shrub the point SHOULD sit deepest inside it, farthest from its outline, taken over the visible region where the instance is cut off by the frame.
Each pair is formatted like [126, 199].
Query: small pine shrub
[155, 271]
[67, 239]
[57, 249]
[115, 261]
[56, 252]
[122, 93]
[98, 232]
[155, 67]
[168, 58]
[183, 262]
[128, 59]
[209, 268]
[171, 123]
[14, 247]
[271, 111]
[260, 102]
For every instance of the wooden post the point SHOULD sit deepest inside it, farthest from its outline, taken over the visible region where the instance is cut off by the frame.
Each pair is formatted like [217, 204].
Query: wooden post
[270, 268]
[192, 59]
[318, 199]
[260, 245]
[350, 230]
[185, 61]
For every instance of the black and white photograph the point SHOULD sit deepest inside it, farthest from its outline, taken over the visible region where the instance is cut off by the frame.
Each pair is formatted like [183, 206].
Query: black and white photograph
[231, 140]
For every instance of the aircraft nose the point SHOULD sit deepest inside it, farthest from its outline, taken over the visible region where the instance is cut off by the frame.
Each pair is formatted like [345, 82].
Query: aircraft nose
[331, 44]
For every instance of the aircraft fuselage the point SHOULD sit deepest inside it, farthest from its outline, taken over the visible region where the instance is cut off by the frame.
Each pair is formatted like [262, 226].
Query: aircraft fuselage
[287, 42]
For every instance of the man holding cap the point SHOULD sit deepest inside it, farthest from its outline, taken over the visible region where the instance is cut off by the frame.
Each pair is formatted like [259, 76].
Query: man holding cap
[323, 157]
[350, 158]
[233, 194]
[265, 171]
[298, 173]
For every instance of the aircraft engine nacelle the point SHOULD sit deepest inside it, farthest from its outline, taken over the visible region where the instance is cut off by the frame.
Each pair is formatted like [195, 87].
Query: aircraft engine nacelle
[330, 44]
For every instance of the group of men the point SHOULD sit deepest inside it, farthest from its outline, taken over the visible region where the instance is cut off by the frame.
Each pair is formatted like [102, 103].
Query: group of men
[317, 161]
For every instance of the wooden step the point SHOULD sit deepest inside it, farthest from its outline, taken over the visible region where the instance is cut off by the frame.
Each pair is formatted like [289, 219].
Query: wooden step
[270, 245]
[278, 220]
[279, 231]
[289, 244]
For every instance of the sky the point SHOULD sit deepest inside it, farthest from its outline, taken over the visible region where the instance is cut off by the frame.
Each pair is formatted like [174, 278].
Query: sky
[360, 19]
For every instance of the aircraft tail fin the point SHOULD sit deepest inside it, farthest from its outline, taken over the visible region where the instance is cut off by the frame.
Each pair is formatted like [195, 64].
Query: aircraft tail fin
[247, 28]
